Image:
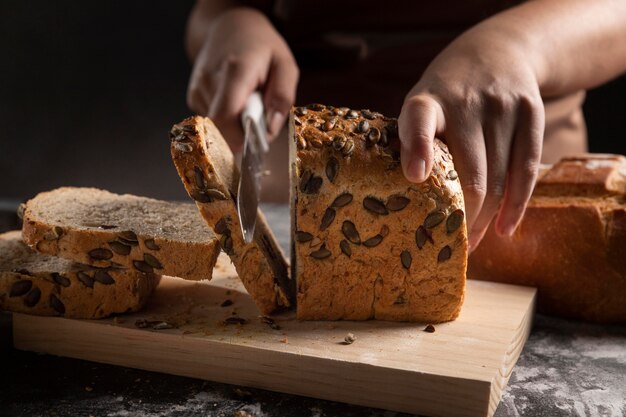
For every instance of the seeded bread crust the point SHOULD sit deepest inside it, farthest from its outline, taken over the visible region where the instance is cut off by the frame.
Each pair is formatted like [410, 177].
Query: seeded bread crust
[368, 244]
[43, 285]
[207, 169]
[571, 244]
[103, 229]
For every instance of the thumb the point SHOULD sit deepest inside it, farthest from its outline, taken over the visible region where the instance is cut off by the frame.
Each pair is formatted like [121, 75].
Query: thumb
[417, 126]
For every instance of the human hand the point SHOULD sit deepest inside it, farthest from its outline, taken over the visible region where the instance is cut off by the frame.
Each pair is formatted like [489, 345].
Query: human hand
[481, 96]
[242, 53]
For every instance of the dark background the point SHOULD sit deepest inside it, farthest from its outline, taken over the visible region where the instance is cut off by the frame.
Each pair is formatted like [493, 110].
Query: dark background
[89, 90]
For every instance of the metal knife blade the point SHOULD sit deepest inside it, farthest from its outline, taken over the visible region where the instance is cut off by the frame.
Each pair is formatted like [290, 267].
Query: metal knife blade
[254, 150]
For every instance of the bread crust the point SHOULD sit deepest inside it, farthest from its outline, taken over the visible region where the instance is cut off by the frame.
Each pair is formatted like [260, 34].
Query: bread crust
[207, 169]
[571, 243]
[355, 217]
[38, 284]
[74, 222]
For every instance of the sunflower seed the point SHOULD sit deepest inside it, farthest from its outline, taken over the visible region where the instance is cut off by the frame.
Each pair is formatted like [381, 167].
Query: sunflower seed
[327, 219]
[33, 297]
[199, 179]
[226, 241]
[56, 304]
[107, 227]
[422, 235]
[183, 147]
[302, 237]
[190, 129]
[60, 279]
[373, 241]
[100, 254]
[22, 271]
[200, 196]
[363, 126]
[406, 259]
[368, 114]
[397, 202]
[314, 185]
[352, 114]
[300, 142]
[128, 235]
[345, 248]
[316, 241]
[163, 326]
[103, 277]
[316, 142]
[350, 232]
[339, 141]
[20, 288]
[221, 227]
[20, 211]
[142, 267]
[332, 169]
[373, 136]
[152, 261]
[227, 302]
[434, 218]
[215, 194]
[453, 175]
[54, 233]
[119, 248]
[85, 279]
[384, 138]
[444, 254]
[342, 200]
[384, 230]
[305, 177]
[329, 124]
[316, 107]
[151, 244]
[301, 111]
[375, 205]
[348, 148]
[454, 221]
[392, 130]
[321, 253]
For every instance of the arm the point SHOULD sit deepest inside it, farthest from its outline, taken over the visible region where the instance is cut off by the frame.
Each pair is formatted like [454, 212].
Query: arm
[483, 95]
[236, 51]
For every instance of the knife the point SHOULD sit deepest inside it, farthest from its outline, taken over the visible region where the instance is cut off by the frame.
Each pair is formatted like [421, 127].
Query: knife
[255, 147]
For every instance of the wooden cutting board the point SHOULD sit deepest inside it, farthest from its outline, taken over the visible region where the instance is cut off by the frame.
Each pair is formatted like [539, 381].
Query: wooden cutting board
[459, 370]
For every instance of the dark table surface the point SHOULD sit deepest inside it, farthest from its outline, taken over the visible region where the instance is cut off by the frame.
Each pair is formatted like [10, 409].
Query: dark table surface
[566, 369]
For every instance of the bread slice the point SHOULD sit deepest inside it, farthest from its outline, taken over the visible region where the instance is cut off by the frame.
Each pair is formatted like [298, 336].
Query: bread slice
[367, 243]
[103, 229]
[207, 169]
[43, 285]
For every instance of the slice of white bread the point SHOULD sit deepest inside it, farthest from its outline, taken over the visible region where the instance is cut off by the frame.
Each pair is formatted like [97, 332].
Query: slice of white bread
[103, 229]
[44, 285]
[207, 169]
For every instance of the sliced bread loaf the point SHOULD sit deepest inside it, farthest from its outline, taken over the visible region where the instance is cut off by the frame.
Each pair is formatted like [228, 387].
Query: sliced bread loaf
[207, 169]
[103, 229]
[44, 285]
[367, 242]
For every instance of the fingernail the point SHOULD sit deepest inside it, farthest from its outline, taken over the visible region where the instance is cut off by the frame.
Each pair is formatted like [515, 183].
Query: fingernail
[276, 121]
[417, 170]
[509, 230]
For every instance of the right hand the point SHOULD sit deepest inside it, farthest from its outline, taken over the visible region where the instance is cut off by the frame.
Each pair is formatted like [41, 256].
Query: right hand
[242, 53]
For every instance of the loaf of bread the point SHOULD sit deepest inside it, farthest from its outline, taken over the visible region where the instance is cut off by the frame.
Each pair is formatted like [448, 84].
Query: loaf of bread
[207, 169]
[44, 285]
[571, 244]
[103, 229]
[367, 243]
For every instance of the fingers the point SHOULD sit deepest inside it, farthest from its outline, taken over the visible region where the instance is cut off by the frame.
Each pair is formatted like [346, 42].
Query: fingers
[498, 129]
[420, 120]
[199, 91]
[280, 92]
[525, 158]
[238, 79]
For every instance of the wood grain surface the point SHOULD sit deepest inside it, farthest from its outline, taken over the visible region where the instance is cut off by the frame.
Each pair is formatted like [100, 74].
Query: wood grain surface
[459, 370]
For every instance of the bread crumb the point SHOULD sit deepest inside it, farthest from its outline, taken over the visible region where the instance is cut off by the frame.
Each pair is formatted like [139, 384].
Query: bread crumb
[285, 340]
[429, 328]
[88, 388]
[349, 339]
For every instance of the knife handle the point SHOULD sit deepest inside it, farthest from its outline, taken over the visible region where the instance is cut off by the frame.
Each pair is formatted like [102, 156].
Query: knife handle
[254, 111]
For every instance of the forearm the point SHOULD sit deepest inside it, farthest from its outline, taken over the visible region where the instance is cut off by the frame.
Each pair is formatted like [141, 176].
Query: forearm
[571, 44]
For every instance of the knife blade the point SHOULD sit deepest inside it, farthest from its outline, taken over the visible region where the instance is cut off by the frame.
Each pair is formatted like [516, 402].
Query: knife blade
[254, 149]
